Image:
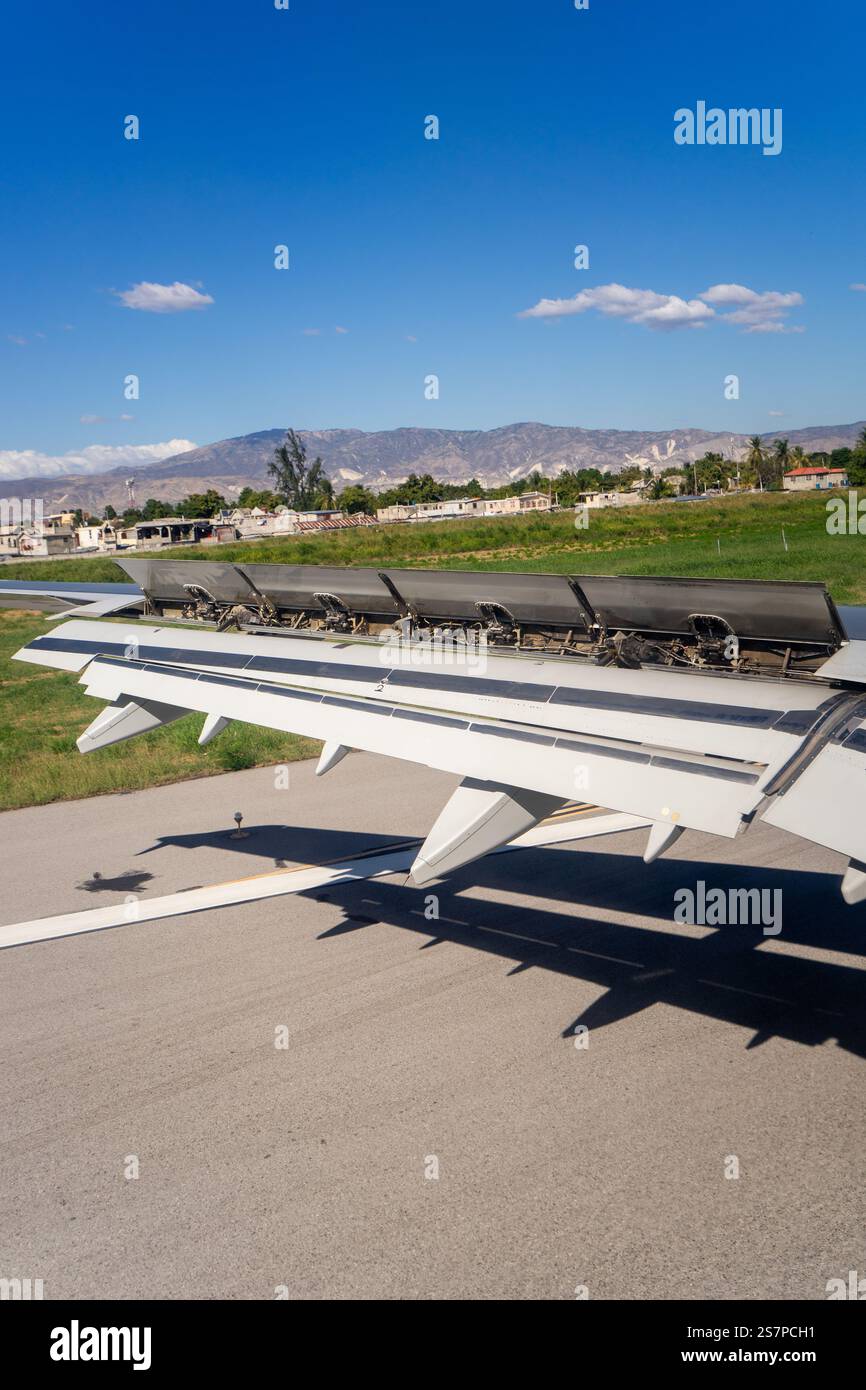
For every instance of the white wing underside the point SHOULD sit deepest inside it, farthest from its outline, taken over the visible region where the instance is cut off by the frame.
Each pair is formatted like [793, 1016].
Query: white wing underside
[670, 749]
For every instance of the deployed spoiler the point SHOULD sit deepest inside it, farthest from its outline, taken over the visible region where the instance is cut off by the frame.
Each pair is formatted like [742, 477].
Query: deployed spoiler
[759, 612]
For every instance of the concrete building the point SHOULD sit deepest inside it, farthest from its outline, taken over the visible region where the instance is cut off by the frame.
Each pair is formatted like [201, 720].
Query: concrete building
[41, 536]
[455, 507]
[519, 504]
[401, 511]
[104, 535]
[172, 530]
[596, 500]
[808, 479]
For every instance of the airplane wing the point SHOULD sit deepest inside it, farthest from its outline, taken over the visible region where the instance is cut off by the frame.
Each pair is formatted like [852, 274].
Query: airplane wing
[682, 704]
[64, 598]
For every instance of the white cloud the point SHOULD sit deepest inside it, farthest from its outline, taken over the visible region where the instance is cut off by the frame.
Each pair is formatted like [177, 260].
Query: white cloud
[102, 419]
[759, 311]
[776, 412]
[338, 329]
[95, 458]
[163, 299]
[754, 311]
[662, 311]
[311, 332]
[16, 339]
[858, 285]
[770, 326]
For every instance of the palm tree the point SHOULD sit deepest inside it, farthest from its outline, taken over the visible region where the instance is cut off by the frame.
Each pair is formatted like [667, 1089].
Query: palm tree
[659, 488]
[781, 458]
[755, 457]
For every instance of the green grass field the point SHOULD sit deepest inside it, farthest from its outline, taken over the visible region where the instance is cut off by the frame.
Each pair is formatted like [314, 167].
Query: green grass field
[733, 537]
[42, 712]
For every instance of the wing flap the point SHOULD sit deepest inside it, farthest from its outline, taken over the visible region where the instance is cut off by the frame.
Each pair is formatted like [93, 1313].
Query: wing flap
[645, 783]
[759, 721]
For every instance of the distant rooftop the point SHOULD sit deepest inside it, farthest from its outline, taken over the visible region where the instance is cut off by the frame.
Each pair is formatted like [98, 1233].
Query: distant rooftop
[177, 521]
[804, 472]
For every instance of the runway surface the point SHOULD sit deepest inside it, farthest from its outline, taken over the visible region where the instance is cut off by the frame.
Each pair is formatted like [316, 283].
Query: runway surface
[413, 1043]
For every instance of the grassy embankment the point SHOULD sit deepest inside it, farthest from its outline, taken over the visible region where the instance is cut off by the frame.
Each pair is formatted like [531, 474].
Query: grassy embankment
[42, 712]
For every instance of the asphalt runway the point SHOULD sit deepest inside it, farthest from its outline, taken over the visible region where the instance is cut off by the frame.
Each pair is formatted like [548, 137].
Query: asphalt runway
[413, 1045]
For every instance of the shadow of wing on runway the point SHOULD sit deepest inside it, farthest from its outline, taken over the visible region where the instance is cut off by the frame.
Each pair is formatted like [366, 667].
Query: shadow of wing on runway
[723, 975]
[287, 843]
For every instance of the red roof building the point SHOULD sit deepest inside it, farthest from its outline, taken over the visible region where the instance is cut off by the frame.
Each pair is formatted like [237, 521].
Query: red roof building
[807, 478]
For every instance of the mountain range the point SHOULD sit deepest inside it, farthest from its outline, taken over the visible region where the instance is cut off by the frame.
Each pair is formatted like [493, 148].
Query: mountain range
[380, 459]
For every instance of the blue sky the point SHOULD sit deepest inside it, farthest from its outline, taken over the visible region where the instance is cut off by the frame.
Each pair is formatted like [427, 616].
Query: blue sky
[306, 127]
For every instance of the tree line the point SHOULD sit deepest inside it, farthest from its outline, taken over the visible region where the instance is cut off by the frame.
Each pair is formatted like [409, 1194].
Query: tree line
[303, 485]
